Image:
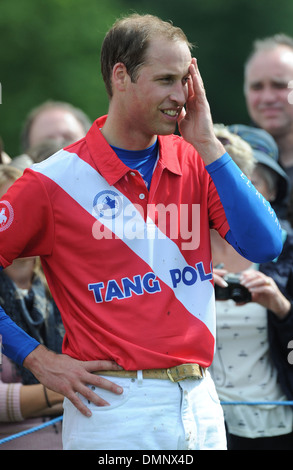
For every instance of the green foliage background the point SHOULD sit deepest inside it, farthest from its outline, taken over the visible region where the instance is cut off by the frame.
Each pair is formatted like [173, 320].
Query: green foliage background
[49, 49]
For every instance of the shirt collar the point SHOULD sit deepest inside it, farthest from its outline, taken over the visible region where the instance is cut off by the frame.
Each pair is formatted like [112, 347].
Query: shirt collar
[109, 164]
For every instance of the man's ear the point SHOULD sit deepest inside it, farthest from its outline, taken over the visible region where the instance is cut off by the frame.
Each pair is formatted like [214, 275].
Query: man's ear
[120, 76]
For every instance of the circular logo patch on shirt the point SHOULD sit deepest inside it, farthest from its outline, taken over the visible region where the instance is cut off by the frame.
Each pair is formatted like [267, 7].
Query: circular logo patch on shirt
[107, 204]
[6, 215]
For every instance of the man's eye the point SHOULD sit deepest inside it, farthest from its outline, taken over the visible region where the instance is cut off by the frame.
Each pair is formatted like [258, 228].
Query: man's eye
[280, 86]
[166, 79]
[256, 86]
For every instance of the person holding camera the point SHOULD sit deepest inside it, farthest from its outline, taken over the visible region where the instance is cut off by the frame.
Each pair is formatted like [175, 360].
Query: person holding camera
[254, 313]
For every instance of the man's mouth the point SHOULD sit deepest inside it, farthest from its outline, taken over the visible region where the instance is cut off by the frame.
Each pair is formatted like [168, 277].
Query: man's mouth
[171, 112]
[270, 109]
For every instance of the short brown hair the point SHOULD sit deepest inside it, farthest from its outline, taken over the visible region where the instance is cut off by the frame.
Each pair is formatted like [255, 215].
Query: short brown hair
[128, 40]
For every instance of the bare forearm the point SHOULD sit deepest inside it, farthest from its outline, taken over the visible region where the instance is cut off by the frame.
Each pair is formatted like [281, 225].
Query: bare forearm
[33, 401]
[265, 291]
[281, 306]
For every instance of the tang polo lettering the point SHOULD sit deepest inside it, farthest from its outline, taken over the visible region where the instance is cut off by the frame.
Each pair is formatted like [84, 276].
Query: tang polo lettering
[129, 268]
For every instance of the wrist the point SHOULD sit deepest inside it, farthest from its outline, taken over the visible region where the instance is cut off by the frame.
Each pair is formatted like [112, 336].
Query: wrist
[52, 398]
[32, 360]
[210, 151]
[283, 310]
[37, 360]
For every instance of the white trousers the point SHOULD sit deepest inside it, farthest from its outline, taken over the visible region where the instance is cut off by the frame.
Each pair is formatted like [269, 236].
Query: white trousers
[149, 415]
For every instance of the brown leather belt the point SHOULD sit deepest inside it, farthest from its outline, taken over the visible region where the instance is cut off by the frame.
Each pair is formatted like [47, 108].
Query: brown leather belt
[175, 374]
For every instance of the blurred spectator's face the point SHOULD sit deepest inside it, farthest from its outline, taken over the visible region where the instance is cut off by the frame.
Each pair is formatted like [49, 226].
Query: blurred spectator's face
[266, 90]
[55, 123]
[260, 183]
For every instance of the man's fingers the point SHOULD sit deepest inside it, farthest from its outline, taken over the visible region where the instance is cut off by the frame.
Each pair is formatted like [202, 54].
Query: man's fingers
[91, 397]
[97, 380]
[106, 384]
[196, 76]
[76, 401]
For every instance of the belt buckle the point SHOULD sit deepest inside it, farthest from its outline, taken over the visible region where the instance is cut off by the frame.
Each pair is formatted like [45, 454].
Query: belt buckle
[183, 372]
[170, 376]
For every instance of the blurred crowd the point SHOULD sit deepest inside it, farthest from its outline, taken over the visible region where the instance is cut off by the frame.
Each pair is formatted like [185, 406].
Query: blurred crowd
[24, 293]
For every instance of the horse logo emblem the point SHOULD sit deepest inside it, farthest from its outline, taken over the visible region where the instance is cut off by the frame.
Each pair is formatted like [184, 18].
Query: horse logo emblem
[6, 215]
[107, 204]
[3, 217]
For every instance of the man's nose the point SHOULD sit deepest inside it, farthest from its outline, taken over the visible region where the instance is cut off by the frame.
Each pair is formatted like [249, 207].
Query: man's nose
[268, 95]
[179, 94]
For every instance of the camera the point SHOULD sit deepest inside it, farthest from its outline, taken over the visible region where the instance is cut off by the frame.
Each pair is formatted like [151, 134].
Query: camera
[234, 290]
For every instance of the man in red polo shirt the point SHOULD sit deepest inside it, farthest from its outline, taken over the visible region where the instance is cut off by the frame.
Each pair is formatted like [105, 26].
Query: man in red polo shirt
[121, 220]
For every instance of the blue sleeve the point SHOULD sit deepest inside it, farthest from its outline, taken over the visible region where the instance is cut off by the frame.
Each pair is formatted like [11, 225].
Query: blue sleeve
[255, 231]
[16, 343]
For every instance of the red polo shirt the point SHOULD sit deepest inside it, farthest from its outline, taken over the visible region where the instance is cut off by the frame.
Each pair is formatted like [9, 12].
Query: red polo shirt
[130, 269]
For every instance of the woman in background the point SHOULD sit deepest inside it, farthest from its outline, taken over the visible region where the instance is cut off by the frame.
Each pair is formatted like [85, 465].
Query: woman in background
[24, 403]
[253, 331]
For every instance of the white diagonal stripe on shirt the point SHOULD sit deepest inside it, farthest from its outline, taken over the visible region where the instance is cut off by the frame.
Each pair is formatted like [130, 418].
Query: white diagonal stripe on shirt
[82, 183]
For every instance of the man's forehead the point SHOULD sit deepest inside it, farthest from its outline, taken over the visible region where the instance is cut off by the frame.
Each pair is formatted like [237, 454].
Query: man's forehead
[279, 56]
[273, 65]
[286, 57]
[169, 53]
